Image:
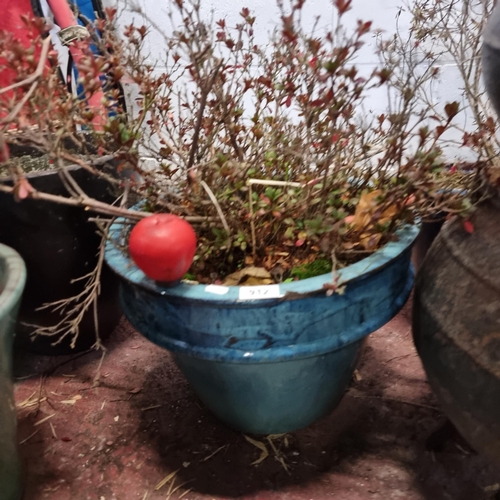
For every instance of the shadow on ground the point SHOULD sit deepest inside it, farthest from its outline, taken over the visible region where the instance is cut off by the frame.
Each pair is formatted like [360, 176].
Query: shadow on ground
[31, 365]
[385, 440]
[378, 439]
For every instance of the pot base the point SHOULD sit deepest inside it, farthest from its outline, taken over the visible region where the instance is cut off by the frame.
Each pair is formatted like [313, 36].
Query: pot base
[271, 398]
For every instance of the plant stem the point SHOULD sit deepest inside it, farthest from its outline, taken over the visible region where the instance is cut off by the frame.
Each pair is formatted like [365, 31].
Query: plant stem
[199, 118]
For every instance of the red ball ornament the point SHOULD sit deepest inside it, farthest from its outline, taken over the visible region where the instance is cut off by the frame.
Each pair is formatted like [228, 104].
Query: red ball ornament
[163, 247]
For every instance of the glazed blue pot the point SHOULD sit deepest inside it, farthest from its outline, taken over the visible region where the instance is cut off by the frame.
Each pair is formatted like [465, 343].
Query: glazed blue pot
[12, 280]
[275, 358]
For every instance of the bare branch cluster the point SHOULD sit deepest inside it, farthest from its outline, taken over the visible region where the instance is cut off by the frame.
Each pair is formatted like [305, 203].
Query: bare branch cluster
[268, 148]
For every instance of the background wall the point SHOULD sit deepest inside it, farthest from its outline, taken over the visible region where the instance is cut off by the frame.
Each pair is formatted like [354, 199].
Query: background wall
[387, 15]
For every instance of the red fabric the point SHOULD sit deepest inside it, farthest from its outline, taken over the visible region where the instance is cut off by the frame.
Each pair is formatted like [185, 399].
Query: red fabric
[10, 20]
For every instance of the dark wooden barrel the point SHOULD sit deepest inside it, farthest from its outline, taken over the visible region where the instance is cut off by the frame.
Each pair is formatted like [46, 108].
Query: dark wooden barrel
[456, 325]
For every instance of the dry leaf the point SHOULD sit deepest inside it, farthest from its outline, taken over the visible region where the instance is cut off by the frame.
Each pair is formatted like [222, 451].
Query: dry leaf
[249, 276]
[233, 279]
[252, 281]
[370, 241]
[256, 272]
[43, 420]
[276, 436]
[31, 402]
[71, 401]
[214, 453]
[365, 211]
[135, 390]
[365, 208]
[348, 245]
[277, 454]
[261, 447]
[172, 490]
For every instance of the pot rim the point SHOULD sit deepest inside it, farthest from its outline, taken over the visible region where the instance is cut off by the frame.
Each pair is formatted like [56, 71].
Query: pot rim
[123, 265]
[42, 173]
[16, 279]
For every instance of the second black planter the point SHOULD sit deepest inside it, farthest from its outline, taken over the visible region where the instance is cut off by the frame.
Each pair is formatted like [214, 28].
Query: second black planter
[58, 244]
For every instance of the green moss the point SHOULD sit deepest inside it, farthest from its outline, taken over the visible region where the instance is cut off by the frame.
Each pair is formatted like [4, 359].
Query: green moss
[316, 268]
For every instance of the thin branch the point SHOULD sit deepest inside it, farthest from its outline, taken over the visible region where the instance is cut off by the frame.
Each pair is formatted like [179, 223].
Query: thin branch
[252, 221]
[199, 119]
[99, 207]
[87, 203]
[218, 208]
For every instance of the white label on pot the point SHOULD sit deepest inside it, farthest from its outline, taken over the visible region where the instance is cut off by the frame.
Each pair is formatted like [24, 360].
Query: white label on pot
[260, 292]
[217, 289]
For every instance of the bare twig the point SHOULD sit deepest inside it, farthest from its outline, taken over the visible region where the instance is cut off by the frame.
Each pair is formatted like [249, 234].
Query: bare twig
[29, 437]
[214, 453]
[52, 428]
[97, 376]
[43, 420]
[75, 308]
[203, 101]
[218, 208]
[87, 203]
[252, 221]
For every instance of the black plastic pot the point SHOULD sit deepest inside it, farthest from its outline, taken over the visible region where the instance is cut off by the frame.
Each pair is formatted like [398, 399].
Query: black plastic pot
[58, 244]
[425, 238]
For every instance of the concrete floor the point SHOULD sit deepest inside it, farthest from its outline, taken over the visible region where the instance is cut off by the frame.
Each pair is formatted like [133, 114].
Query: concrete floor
[387, 440]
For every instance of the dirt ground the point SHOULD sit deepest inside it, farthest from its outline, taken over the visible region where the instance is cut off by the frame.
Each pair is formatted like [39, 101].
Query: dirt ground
[387, 439]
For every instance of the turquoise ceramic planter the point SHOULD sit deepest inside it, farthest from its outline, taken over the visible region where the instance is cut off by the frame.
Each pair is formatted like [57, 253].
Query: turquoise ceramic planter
[275, 358]
[12, 279]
